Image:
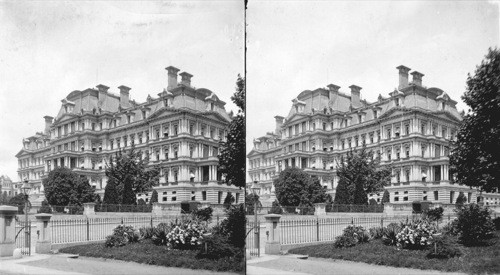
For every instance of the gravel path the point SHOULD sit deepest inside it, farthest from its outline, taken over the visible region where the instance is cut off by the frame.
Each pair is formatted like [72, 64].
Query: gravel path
[61, 264]
[291, 265]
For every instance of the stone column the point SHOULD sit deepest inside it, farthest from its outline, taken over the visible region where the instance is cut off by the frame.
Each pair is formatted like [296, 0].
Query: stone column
[273, 245]
[89, 209]
[44, 230]
[7, 230]
[388, 209]
[320, 209]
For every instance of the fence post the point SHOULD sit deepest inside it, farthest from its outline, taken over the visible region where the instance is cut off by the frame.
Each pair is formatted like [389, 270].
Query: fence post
[122, 220]
[382, 222]
[352, 220]
[7, 230]
[317, 229]
[151, 221]
[273, 243]
[88, 230]
[43, 244]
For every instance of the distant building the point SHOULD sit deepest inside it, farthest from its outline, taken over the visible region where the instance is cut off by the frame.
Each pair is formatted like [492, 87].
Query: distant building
[180, 130]
[7, 186]
[409, 130]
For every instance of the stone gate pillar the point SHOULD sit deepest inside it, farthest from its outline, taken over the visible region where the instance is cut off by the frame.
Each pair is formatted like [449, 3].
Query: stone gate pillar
[320, 209]
[273, 242]
[7, 230]
[44, 232]
[89, 209]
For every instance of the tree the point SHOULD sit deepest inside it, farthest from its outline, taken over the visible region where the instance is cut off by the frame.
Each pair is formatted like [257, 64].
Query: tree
[228, 200]
[276, 208]
[45, 207]
[64, 187]
[250, 201]
[19, 200]
[475, 157]
[372, 201]
[111, 193]
[386, 198]
[360, 174]
[294, 187]
[232, 154]
[461, 199]
[154, 197]
[130, 174]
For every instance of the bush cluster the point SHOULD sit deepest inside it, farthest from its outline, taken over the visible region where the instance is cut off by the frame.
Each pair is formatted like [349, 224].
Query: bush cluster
[445, 247]
[416, 234]
[474, 225]
[203, 214]
[122, 234]
[434, 214]
[186, 234]
[351, 236]
[276, 208]
[389, 234]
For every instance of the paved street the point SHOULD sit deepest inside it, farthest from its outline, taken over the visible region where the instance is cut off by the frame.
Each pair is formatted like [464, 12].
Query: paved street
[291, 265]
[62, 265]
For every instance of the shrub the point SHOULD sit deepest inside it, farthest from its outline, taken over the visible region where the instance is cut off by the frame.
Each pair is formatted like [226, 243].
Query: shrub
[389, 234]
[234, 225]
[416, 234]
[496, 222]
[434, 214]
[377, 232]
[474, 225]
[217, 246]
[276, 208]
[146, 232]
[204, 214]
[159, 236]
[186, 234]
[45, 207]
[451, 228]
[444, 247]
[122, 234]
[351, 236]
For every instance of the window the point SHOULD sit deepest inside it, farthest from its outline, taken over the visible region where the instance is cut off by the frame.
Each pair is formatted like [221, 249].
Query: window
[360, 118]
[443, 105]
[157, 133]
[324, 126]
[129, 118]
[437, 172]
[371, 138]
[388, 133]
[176, 175]
[423, 150]
[407, 152]
[144, 117]
[165, 131]
[397, 101]
[407, 174]
[437, 153]
[434, 128]
[398, 176]
[422, 128]
[219, 197]
[378, 136]
[204, 195]
[191, 129]
[343, 144]
[193, 196]
[398, 155]
[452, 196]
[396, 132]
[176, 130]
[407, 129]
[174, 195]
[375, 114]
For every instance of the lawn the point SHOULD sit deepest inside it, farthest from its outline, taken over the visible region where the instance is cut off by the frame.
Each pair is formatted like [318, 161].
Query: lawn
[148, 253]
[475, 260]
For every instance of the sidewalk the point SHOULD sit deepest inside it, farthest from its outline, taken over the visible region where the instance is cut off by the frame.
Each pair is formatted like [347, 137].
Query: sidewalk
[291, 265]
[61, 264]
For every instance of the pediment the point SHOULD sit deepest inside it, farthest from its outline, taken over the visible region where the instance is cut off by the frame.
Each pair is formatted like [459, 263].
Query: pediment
[165, 111]
[22, 153]
[294, 117]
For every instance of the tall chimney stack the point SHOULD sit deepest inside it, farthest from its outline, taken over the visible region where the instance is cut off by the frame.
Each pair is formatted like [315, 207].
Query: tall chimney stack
[48, 124]
[186, 78]
[124, 96]
[172, 77]
[403, 76]
[417, 78]
[279, 123]
[103, 89]
[355, 96]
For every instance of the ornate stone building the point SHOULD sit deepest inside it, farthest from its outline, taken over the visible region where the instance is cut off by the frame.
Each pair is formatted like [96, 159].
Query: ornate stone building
[410, 130]
[179, 130]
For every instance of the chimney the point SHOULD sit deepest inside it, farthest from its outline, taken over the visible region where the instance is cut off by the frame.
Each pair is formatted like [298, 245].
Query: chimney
[355, 96]
[417, 78]
[172, 77]
[279, 123]
[48, 124]
[124, 96]
[403, 76]
[103, 89]
[186, 78]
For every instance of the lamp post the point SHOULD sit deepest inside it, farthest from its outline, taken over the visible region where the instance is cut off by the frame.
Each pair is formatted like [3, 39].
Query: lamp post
[256, 226]
[26, 189]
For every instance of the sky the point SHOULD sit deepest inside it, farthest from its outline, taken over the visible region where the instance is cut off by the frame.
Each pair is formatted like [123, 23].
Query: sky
[305, 45]
[50, 48]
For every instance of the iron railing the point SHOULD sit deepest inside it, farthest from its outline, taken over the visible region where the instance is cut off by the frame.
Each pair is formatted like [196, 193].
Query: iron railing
[23, 237]
[317, 229]
[253, 241]
[96, 229]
